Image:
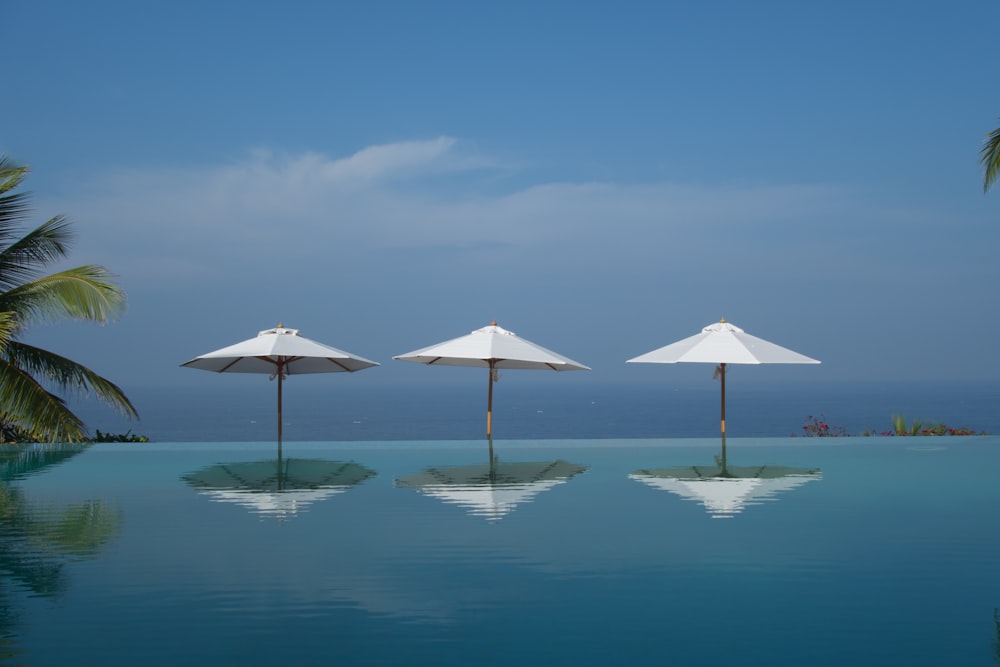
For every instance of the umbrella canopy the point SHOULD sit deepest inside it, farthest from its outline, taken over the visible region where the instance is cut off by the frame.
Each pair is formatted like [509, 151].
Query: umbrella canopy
[723, 343]
[495, 348]
[727, 490]
[491, 490]
[279, 352]
[277, 487]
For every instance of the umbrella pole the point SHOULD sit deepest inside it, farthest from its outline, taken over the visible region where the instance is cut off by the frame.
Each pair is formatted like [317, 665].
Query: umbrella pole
[722, 376]
[493, 464]
[280, 373]
[725, 470]
[489, 406]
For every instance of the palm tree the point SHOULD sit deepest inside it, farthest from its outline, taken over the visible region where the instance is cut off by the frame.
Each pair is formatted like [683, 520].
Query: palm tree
[989, 155]
[28, 296]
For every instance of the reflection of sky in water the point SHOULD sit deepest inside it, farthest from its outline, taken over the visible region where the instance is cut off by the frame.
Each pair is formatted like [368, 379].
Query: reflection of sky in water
[887, 559]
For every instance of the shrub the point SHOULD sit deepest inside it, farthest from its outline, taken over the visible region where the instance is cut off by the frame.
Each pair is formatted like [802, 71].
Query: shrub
[128, 436]
[818, 427]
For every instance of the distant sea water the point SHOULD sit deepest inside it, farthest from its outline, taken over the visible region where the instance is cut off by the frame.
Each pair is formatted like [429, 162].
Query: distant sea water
[338, 410]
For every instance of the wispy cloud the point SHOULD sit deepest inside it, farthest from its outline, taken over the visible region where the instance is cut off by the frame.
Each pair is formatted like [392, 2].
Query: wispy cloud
[424, 195]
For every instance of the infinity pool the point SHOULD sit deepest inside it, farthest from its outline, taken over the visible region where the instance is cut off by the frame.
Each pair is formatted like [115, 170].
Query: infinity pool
[787, 552]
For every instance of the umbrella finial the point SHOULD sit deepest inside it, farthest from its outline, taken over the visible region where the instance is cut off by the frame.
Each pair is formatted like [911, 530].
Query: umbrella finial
[281, 325]
[494, 323]
[723, 320]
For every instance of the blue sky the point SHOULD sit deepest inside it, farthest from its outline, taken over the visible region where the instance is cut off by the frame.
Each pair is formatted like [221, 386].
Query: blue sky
[601, 178]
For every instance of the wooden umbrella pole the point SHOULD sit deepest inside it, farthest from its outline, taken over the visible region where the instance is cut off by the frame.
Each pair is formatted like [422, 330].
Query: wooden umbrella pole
[722, 373]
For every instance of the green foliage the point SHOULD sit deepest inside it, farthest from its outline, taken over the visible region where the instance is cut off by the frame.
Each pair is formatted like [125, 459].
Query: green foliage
[127, 436]
[899, 426]
[819, 427]
[989, 156]
[12, 435]
[30, 410]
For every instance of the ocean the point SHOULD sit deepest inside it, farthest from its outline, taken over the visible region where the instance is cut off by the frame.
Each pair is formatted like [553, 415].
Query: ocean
[333, 408]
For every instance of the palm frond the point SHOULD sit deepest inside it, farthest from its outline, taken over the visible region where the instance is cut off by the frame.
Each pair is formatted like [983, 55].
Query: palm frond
[39, 413]
[13, 207]
[67, 375]
[11, 174]
[23, 258]
[8, 327]
[989, 156]
[83, 293]
[26, 295]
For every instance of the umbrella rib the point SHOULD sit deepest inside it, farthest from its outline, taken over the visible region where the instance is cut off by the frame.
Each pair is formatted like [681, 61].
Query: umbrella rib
[333, 474]
[437, 475]
[541, 474]
[228, 366]
[337, 363]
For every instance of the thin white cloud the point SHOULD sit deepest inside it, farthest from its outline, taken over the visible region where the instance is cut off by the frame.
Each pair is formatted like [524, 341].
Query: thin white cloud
[272, 209]
[377, 162]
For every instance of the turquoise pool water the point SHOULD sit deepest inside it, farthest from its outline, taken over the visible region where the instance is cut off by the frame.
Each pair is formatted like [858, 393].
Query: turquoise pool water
[851, 552]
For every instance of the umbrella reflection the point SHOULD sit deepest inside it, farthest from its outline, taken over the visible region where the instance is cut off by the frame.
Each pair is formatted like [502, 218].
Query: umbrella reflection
[277, 487]
[727, 490]
[491, 490]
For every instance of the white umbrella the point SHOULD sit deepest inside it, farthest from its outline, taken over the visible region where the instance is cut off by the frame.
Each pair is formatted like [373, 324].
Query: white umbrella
[279, 352]
[722, 343]
[495, 348]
